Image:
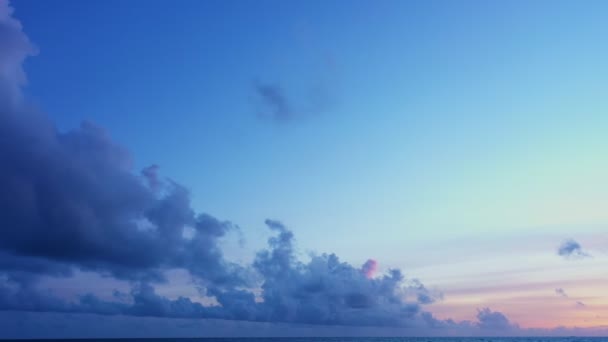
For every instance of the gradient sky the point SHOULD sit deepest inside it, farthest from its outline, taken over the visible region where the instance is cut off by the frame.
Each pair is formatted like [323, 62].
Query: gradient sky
[462, 142]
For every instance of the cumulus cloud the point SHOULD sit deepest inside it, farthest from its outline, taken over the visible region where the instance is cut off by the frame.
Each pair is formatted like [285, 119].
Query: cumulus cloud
[369, 268]
[36, 325]
[15, 324]
[562, 293]
[571, 249]
[73, 201]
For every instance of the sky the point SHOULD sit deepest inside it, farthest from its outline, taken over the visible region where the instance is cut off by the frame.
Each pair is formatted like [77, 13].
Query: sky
[303, 167]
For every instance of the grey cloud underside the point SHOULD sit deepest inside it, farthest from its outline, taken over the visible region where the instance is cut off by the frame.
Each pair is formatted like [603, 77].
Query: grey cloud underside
[72, 201]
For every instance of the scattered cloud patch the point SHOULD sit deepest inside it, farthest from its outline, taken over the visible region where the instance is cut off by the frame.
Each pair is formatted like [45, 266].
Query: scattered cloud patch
[571, 249]
[16, 46]
[369, 268]
[274, 102]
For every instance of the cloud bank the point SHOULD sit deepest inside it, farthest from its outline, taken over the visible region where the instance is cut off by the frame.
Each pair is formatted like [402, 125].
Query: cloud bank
[570, 249]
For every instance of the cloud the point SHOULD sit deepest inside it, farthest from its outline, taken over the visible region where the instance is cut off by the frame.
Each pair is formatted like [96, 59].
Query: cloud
[43, 325]
[16, 46]
[571, 249]
[560, 292]
[150, 173]
[494, 321]
[275, 103]
[323, 291]
[72, 201]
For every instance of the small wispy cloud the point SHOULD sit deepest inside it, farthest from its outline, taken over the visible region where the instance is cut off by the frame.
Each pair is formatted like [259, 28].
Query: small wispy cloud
[561, 292]
[280, 104]
[571, 249]
[275, 104]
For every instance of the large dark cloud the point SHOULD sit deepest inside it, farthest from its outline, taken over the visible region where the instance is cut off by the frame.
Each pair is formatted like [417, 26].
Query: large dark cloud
[21, 324]
[326, 290]
[278, 105]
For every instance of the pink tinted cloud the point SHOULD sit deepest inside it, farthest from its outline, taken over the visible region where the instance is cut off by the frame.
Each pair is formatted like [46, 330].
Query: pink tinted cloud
[150, 173]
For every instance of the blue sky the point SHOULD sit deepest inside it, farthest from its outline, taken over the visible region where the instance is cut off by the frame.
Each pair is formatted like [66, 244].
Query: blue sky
[430, 107]
[450, 139]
